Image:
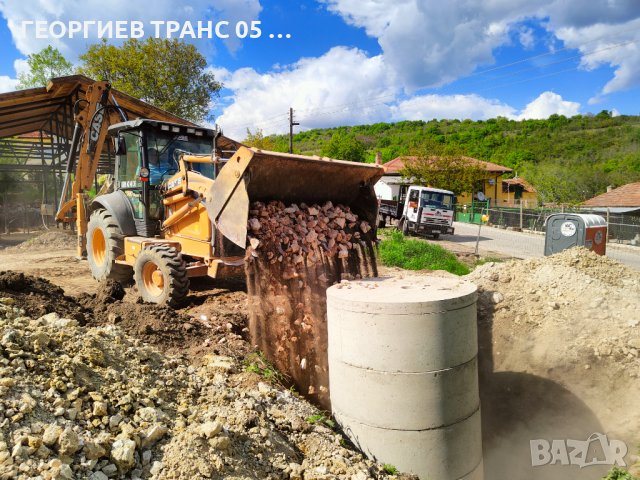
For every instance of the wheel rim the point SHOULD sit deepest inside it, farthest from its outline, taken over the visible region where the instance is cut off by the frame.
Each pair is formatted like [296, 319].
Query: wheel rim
[99, 246]
[153, 279]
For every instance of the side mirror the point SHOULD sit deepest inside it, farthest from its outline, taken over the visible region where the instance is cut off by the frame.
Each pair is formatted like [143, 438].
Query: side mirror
[120, 145]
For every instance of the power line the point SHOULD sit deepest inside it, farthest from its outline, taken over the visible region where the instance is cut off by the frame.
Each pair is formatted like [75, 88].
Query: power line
[574, 57]
[267, 120]
[554, 52]
[359, 102]
[529, 79]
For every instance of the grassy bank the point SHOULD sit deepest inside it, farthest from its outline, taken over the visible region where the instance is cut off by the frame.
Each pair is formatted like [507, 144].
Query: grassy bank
[410, 254]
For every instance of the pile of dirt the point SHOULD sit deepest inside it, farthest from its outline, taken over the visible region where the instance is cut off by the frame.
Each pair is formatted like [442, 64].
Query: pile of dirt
[559, 352]
[38, 296]
[50, 240]
[187, 332]
[92, 402]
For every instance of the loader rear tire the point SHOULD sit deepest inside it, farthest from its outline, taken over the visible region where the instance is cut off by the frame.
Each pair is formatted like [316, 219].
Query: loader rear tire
[161, 275]
[105, 243]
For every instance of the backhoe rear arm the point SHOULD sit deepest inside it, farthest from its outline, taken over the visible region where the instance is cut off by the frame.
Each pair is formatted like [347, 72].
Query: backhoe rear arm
[92, 123]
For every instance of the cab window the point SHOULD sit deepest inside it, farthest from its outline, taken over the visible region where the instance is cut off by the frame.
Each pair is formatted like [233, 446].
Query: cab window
[129, 162]
[163, 151]
[436, 200]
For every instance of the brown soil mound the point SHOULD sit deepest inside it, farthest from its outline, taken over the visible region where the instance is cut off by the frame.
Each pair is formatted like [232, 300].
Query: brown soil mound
[38, 296]
[187, 332]
[559, 355]
[216, 324]
[51, 240]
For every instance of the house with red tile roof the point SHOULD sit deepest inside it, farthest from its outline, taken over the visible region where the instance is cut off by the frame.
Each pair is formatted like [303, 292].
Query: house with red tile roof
[624, 199]
[500, 192]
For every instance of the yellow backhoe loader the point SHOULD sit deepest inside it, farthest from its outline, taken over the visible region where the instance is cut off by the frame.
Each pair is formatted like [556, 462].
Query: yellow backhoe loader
[181, 197]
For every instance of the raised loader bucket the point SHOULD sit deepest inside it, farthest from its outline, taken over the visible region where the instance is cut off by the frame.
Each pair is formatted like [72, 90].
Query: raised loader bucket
[287, 314]
[258, 175]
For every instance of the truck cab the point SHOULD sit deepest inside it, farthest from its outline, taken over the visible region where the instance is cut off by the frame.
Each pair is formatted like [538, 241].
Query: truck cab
[428, 211]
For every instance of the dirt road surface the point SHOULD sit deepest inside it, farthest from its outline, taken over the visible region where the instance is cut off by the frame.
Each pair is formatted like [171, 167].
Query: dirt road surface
[526, 245]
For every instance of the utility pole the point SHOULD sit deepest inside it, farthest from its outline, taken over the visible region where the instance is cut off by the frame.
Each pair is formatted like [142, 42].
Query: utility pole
[291, 125]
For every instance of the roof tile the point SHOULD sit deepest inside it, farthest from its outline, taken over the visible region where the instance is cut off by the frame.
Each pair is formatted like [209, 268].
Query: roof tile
[625, 196]
[397, 164]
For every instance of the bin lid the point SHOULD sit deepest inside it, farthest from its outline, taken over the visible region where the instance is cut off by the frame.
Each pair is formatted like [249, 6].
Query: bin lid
[588, 219]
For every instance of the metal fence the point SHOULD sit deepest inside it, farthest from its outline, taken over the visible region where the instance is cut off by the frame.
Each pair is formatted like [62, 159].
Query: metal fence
[23, 217]
[623, 228]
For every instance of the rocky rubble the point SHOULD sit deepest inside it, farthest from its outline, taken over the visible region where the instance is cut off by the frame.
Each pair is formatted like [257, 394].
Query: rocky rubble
[294, 235]
[294, 254]
[82, 402]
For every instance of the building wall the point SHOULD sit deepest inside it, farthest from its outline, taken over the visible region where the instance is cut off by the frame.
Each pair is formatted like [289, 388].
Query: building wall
[388, 187]
[493, 192]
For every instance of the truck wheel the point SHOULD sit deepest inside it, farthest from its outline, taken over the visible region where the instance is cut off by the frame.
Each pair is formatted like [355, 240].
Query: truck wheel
[405, 227]
[161, 275]
[382, 221]
[105, 243]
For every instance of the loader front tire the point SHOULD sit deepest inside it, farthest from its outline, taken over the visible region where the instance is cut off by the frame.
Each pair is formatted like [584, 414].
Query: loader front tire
[161, 275]
[105, 243]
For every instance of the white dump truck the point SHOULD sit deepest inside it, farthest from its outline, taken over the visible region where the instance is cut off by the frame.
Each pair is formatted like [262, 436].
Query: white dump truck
[419, 210]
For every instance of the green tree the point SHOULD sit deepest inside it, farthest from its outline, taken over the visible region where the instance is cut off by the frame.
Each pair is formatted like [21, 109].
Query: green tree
[48, 63]
[344, 147]
[258, 140]
[169, 74]
[453, 172]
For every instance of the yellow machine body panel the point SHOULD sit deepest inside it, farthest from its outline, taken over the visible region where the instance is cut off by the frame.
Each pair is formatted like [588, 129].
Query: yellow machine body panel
[186, 219]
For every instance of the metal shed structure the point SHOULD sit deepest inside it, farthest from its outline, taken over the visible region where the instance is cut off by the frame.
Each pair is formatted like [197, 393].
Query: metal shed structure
[36, 126]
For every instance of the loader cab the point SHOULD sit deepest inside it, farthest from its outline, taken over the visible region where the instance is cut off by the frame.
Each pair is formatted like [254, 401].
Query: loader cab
[147, 154]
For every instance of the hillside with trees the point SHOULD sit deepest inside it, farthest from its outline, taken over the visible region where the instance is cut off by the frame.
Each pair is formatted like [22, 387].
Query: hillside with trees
[567, 159]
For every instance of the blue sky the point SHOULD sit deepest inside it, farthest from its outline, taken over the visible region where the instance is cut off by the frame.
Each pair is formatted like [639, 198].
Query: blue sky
[363, 61]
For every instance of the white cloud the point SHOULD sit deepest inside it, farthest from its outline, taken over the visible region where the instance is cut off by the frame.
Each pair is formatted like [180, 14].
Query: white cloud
[7, 84]
[16, 11]
[321, 97]
[549, 103]
[343, 87]
[21, 66]
[431, 43]
[613, 45]
[526, 37]
[474, 107]
[423, 42]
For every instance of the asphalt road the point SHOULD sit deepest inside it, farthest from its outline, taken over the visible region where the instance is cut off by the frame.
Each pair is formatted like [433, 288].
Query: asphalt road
[526, 245]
